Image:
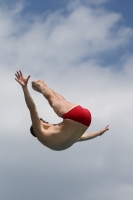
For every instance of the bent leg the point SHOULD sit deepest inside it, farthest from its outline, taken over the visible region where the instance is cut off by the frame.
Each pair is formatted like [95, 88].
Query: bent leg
[59, 96]
[62, 106]
[56, 101]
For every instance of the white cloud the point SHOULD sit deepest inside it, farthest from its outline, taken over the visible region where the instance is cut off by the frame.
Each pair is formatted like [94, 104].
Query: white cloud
[77, 3]
[54, 47]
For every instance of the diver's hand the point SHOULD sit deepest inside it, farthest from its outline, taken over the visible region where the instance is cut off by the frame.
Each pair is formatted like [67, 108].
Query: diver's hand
[104, 130]
[20, 79]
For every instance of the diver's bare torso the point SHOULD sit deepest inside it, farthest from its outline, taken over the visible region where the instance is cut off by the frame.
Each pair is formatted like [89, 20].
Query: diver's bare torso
[76, 119]
[63, 135]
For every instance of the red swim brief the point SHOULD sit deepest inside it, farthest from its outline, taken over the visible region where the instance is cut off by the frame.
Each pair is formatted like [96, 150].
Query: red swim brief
[79, 114]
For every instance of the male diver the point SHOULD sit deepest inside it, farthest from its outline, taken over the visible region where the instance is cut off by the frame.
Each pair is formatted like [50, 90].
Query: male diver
[76, 119]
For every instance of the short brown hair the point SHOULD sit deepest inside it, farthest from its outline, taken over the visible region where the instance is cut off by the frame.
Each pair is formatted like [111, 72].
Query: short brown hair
[32, 131]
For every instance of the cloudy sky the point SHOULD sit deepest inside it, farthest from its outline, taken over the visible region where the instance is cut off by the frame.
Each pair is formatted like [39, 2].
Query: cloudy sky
[83, 50]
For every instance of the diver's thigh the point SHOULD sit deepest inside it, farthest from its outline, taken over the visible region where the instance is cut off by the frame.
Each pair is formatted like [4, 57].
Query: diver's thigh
[62, 106]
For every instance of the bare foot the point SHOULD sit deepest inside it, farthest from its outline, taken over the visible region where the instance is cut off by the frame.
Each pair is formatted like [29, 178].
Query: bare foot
[38, 85]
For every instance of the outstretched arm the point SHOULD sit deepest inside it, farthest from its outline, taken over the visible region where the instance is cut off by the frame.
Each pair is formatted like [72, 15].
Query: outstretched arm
[28, 99]
[89, 136]
[23, 82]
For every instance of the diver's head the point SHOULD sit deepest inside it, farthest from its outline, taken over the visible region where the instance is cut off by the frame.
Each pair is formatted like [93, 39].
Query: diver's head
[44, 123]
[32, 131]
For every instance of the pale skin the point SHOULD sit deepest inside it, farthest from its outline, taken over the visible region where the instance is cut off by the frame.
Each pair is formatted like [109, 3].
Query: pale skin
[60, 136]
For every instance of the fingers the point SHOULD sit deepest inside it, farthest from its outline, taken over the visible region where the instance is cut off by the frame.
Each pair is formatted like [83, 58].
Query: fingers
[17, 80]
[20, 73]
[28, 78]
[16, 76]
[107, 128]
